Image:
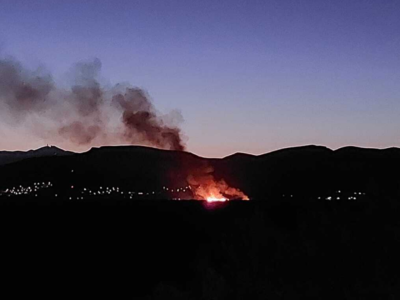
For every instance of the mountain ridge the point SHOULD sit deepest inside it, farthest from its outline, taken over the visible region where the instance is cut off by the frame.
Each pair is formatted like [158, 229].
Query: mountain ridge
[54, 150]
[7, 157]
[306, 170]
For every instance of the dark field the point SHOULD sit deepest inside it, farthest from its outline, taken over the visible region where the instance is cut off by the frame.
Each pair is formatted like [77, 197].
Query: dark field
[191, 250]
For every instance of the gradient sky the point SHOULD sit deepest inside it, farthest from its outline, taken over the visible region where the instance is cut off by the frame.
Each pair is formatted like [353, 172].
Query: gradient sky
[248, 76]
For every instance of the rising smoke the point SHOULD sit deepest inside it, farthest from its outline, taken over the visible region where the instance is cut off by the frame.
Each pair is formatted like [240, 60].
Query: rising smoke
[85, 113]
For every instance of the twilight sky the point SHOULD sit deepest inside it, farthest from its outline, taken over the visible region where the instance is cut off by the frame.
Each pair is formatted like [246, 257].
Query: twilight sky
[248, 76]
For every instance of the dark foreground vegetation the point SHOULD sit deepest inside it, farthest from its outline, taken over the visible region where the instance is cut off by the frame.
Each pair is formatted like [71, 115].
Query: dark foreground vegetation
[190, 250]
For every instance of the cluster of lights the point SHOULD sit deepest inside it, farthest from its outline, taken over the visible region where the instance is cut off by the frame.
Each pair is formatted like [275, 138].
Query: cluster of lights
[113, 191]
[108, 191]
[26, 190]
[338, 195]
[351, 196]
[96, 192]
[177, 190]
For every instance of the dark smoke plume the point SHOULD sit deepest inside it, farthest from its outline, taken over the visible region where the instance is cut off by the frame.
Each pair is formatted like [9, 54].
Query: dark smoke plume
[85, 113]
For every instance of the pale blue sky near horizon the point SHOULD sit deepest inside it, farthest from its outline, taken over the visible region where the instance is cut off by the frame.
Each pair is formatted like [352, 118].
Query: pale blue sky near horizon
[248, 76]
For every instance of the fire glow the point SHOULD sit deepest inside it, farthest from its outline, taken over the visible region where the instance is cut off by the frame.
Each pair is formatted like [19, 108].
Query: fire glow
[219, 191]
[213, 199]
[213, 190]
[206, 187]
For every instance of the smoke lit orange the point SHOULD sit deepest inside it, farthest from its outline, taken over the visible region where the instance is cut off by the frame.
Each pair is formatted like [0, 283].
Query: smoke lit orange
[217, 191]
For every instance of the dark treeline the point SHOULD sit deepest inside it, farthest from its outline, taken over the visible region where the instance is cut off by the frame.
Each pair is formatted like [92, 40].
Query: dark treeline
[187, 250]
[272, 247]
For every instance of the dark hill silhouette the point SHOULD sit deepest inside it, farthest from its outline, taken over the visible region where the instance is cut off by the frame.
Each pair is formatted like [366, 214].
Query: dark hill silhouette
[7, 157]
[301, 171]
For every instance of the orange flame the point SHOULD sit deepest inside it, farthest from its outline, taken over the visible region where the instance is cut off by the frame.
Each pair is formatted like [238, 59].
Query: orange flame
[213, 199]
[205, 187]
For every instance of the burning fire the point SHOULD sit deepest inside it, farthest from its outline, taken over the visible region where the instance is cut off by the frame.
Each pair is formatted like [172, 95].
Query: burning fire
[214, 199]
[205, 187]
[218, 191]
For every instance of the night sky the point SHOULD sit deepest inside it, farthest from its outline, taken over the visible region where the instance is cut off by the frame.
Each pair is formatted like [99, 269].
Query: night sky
[248, 76]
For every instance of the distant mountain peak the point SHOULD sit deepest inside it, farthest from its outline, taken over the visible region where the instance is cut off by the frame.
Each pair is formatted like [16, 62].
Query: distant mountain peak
[7, 157]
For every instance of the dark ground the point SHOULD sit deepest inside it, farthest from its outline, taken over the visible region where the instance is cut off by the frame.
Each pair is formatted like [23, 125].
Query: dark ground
[188, 250]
